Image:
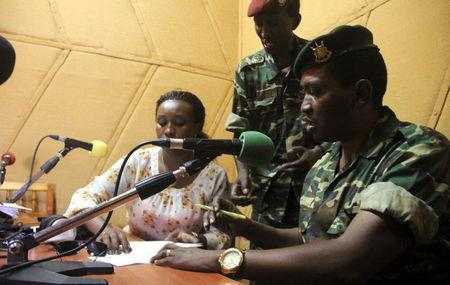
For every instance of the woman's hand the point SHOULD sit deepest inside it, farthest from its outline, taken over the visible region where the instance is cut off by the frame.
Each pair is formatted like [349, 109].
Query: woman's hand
[116, 240]
[224, 223]
[179, 235]
[187, 258]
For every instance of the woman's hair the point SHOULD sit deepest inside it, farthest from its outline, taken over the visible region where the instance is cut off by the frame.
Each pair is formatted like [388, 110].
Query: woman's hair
[198, 110]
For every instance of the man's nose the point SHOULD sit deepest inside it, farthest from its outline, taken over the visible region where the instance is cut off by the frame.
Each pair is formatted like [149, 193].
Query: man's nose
[306, 106]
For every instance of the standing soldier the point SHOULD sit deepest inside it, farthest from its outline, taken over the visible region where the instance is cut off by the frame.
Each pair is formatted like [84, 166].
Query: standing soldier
[267, 99]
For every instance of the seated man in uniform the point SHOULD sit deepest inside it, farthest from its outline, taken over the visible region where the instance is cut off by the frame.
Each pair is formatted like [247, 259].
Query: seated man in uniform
[374, 208]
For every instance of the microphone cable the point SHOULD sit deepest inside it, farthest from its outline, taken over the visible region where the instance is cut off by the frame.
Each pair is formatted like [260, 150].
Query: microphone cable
[33, 162]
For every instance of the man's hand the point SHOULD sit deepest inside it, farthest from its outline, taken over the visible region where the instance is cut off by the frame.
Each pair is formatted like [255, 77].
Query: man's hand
[187, 258]
[242, 191]
[301, 160]
[116, 241]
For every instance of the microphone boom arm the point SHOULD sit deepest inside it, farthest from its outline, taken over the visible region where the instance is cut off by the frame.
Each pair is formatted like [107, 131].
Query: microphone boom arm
[44, 169]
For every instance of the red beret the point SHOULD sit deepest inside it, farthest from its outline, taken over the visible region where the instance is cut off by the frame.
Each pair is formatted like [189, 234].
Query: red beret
[258, 6]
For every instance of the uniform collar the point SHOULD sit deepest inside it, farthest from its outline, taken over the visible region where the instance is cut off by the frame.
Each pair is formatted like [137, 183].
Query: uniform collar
[387, 126]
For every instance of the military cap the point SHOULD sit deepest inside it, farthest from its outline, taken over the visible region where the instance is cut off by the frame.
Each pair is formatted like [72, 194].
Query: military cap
[7, 59]
[259, 6]
[341, 41]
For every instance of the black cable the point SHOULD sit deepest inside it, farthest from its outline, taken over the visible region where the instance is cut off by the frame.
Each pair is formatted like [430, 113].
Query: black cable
[33, 160]
[12, 235]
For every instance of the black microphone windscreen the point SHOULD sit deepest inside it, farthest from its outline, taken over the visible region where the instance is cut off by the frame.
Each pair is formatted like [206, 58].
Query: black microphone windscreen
[7, 59]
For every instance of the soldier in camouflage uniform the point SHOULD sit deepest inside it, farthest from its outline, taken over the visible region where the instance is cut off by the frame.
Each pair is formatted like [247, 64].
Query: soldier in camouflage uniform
[374, 209]
[267, 99]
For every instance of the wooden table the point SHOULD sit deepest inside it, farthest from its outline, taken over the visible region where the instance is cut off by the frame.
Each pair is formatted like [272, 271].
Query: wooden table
[141, 273]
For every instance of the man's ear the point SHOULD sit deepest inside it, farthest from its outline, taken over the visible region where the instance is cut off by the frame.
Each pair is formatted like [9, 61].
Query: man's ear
[363, 93]
[296, 21]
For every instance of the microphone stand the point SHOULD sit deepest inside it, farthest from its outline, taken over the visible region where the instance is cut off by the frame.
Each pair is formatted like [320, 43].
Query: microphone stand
[51, 272]
[45, 168]
[2, 172]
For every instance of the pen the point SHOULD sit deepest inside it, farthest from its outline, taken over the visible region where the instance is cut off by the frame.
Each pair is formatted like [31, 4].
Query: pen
[229, 214]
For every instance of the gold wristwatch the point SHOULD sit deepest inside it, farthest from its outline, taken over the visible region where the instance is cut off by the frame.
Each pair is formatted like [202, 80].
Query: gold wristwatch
[231, 260]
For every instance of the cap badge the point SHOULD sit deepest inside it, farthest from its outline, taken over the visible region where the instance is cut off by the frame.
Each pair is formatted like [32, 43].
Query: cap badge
[321, 52]
[281, 3]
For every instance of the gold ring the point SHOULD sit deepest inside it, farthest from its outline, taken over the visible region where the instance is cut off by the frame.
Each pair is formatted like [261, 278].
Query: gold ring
[168, 252]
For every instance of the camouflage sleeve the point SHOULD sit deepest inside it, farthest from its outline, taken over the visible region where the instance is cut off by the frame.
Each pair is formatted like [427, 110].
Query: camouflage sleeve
[236, 121]
[394, 201]
[413, 189]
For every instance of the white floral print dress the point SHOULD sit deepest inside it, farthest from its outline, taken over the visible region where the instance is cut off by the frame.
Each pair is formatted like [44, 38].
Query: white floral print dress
[157, 216]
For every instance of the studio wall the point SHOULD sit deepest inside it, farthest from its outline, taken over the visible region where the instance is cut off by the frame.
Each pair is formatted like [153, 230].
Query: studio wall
[93, 69]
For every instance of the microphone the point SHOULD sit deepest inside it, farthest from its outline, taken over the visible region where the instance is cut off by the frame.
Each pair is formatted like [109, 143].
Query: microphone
[8, 158]
[96, 147]
[253, 148]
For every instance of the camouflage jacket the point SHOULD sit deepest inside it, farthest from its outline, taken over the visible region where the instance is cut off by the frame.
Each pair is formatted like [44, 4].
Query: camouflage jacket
[402, 170]
[268, 100]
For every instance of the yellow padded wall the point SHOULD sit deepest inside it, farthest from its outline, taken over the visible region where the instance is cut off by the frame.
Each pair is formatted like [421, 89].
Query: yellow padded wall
[93, 69]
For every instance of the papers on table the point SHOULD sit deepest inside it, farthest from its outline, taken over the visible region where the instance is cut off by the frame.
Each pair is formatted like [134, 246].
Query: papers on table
[12, 209]
[141, 252]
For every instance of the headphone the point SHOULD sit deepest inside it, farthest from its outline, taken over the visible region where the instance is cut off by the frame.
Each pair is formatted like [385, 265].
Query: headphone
[46, 222]
[93, 248]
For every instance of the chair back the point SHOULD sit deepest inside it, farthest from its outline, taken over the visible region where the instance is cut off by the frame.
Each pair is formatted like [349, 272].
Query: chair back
[40, 197]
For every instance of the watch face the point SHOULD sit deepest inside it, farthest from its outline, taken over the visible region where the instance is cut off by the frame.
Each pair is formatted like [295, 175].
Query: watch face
[232, 260]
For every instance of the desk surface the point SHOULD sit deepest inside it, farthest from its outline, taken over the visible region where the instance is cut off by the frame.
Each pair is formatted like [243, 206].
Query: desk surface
[141, 273]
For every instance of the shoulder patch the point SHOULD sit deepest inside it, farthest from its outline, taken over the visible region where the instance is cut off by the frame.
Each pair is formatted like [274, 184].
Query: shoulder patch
[252, 59]
[257, 58]
[417, 134]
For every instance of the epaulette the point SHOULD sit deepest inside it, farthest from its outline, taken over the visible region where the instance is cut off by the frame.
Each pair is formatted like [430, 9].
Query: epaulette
[256, 58]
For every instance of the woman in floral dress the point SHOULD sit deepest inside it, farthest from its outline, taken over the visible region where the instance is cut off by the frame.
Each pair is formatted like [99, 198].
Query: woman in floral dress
[170, 214]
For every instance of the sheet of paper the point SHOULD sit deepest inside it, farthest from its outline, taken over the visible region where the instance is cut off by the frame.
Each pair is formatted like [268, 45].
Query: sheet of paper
[141, 252]
[12, 209]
